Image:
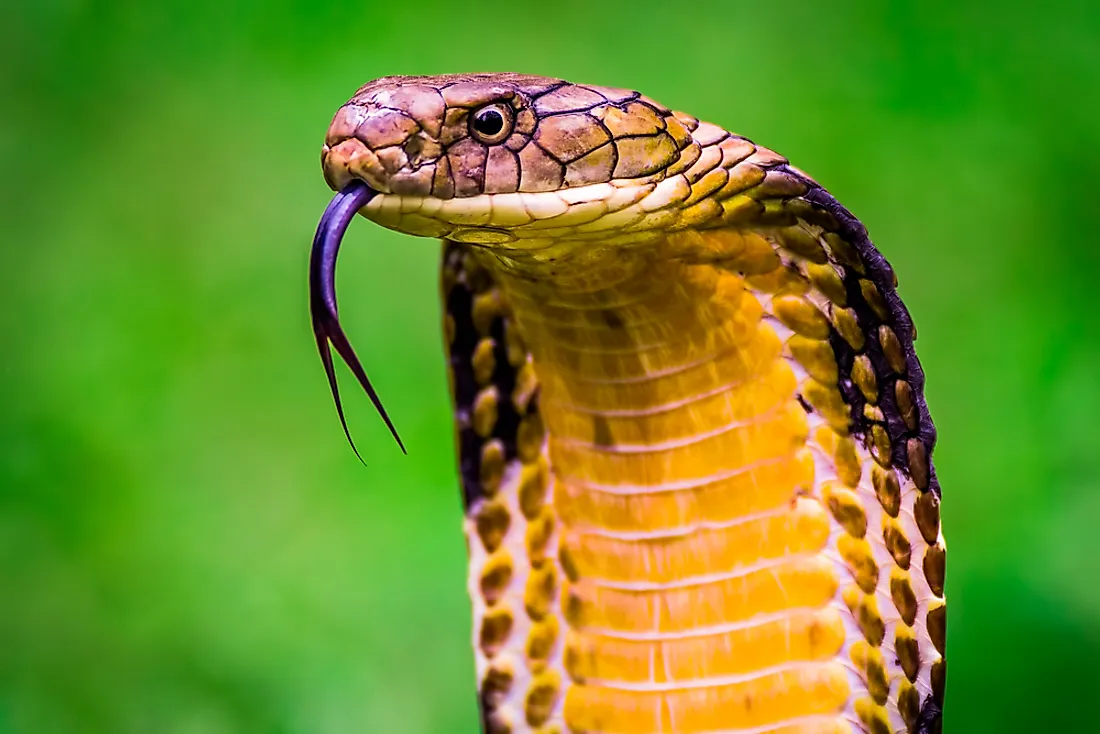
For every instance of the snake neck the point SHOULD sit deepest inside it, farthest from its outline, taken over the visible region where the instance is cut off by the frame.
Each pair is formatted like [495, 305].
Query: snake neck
[698, 554]
[677, 451]
[647, 378]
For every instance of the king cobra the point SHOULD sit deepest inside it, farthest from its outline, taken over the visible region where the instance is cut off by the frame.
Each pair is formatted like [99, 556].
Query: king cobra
[693, 446]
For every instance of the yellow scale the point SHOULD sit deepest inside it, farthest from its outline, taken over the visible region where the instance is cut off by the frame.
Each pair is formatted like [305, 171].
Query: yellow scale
[697, 558]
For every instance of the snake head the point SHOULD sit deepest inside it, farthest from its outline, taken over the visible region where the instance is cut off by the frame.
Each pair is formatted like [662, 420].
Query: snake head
[498, 158]
[513, 162]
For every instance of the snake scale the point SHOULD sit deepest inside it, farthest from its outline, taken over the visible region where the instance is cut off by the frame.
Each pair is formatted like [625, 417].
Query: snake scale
[694, 449]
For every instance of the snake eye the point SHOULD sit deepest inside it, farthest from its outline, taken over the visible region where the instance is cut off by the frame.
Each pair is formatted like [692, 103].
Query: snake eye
[492, 123]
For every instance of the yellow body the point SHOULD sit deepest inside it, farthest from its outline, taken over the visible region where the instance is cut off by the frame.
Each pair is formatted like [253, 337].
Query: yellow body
[694, 449]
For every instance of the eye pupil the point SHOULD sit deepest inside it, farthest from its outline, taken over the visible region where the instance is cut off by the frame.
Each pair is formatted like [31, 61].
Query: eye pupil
[489, 122]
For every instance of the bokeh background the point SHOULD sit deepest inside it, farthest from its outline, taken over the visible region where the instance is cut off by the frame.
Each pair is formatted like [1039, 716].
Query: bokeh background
[188, 546]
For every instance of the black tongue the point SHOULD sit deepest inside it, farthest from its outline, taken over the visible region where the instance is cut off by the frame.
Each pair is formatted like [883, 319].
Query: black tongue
[322, 299]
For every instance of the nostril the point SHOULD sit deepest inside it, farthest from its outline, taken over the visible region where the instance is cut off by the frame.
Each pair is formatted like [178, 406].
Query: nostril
[421, 149]
[413, 147]
[393, 159]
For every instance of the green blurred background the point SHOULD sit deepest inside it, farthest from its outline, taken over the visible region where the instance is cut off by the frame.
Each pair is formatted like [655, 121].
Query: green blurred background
[187, 545]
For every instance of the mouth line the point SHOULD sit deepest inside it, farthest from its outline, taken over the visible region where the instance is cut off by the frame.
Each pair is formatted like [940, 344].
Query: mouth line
[322, 300]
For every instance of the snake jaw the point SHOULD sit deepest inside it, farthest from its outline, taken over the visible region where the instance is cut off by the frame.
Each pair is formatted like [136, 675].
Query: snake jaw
[322, 300]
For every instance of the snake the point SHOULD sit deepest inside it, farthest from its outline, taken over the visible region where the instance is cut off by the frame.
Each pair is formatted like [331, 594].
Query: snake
[693, 447]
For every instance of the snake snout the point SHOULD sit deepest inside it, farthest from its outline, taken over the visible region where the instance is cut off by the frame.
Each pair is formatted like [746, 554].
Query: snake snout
[383, 147]
[351, 160]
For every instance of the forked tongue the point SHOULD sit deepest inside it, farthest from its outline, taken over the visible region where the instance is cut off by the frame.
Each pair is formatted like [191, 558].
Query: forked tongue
[322, 299]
